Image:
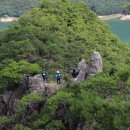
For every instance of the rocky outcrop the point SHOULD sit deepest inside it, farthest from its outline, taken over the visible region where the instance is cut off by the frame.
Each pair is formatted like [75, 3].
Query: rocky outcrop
[9, 100]
[36, 85]
[8, 103]
[82, 66]
[96, 64]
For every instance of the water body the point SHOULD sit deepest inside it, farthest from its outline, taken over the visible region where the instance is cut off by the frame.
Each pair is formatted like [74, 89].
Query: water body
[121, 28]
[4, 25]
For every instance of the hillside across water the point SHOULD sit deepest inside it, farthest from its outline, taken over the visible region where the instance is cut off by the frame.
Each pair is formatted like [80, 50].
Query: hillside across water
[16, 8]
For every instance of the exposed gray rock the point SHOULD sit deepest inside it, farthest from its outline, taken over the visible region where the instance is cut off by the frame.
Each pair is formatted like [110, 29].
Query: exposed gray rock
[7, 96]
[96, 64]
[8, 103]
[9, 100]
[36, 85]
[82, 66]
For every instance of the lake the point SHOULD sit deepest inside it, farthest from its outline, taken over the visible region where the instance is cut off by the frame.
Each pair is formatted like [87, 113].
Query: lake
[4, 25]
[121, 28]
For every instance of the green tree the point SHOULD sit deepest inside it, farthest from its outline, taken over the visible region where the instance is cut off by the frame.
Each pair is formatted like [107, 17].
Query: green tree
[13, 73]
[126, 9]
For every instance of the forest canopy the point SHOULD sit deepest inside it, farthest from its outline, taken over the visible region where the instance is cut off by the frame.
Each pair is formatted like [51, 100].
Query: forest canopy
[18, 7]
[58, 34]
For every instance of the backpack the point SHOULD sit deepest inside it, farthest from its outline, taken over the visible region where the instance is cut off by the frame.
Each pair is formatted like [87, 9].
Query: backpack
[58, 75]
[43, 74]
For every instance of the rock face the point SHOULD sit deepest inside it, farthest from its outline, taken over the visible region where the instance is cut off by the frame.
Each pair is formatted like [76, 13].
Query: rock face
[9, 100]
[82, 66]
[96, 64]
[8, 103]
[36, 85]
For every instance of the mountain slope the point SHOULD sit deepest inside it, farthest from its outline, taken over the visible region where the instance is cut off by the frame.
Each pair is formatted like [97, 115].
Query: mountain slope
[57, 35]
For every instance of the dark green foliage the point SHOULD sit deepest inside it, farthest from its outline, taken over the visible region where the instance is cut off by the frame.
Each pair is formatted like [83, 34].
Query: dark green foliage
[58, 34]
[17, 50]
[20, 127]
[13, 72]
[16, 7]
[4, 120]
[107, 7]
[69, 107]
[31, 97]
[126, 9]
[102, 84]
[102, 7]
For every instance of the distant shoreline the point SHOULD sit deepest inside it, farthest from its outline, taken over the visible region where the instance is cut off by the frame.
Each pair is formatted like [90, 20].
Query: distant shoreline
[114, 16]
[8, 19]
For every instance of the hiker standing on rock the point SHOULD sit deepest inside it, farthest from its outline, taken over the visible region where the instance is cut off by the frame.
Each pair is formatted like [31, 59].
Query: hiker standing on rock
[75, 72]
[44, 76]
[58, 76]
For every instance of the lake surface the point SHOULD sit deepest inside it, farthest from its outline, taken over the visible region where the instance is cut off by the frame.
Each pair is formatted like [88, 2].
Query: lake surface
[4, 25]
[121, 28]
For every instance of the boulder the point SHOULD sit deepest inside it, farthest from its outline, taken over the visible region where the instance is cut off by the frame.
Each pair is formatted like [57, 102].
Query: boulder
[6, 96]
[36, 85]
[96, 65]
[82, 66]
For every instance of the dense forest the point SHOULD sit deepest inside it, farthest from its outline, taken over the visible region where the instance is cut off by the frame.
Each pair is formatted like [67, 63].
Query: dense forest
[103, 7]
[58, 34]
[126, 9]
[16, 7]
[107, 7]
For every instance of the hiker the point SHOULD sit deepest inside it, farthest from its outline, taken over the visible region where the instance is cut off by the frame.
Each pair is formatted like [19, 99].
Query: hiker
[26, 79]
[75, 73]
[44, 76]
[58, 77]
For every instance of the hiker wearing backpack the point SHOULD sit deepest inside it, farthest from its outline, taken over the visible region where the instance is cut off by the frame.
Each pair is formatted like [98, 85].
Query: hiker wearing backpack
[58, 77]
[75, 72]
[44, 76]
